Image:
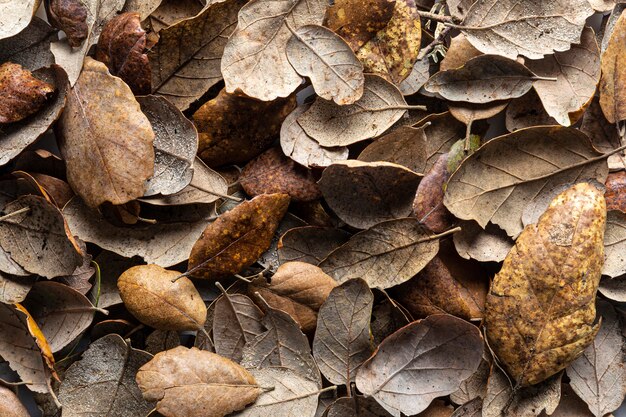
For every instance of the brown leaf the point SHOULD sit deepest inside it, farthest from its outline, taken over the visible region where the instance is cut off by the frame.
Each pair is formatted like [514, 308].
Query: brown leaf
[31, 47]
[16, 14]
[13, 289]
[237, 238]
[491, 244]
[230, 130]
[170, 12]
[604, 135]
[615, 193]
[406, 146]
[272, 172]
[470, 112]
[599, 375]
[473, 408]
[495, 183]
[10, 405]
[420, 73]
[358, 192]
[327, 60]
[71, 17]
[310, 244]
[342, 339]
[358, 21]
[269, 259]
[122, 47]
[185, 381]
[428, 203]
[149, 293]
[23, 94]
[570, 405]
[459, 52]
[550, 307]
[58, 190]
[103, 381]
[161, 340]
[356, 406]
[385, 255]
[388, 317]
[143, 7]
[613, 82]
[483, 79]
[298, 289]
[474, 387]
[105, 139]
[38, 238]
[527, 111]
[422, 361]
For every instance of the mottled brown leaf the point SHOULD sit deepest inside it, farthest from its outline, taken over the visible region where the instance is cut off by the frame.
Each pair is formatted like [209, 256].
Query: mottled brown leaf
[71, 17]
[23, 94]
[310, 244]
[613, 80]
[604, 135]
[615, 193]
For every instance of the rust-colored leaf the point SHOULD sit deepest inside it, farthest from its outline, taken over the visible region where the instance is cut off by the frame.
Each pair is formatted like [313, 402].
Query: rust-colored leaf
[71, 17]
[22, 93]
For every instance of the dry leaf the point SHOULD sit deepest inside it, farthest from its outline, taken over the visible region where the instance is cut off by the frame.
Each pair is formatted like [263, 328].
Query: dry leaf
[149, 293]
[190, 382]
[356, 406]
[474, 387]
[380, 107]
[359, 192]
[527, 27]
[236, 321]
[604, 135]
[473, 408]
[10, 405]
[385, 255]
[615, 244]
[491, 244]
[570, 405]
[13, 289]
[298, 289]
[327, 60]
[255, 58]
[527, 111]
[406, 146]
[459, 52]
[422, 361]
[103, 381]
[143, 7]
[31, 47]
[170, 12]
[615, 193]
[495, 183]
[613, 82]
[71, 17]
[420, 73]
[310, 244]
[342, 339]
[161, 340]
[105, 139]
[23, 93]
[599, 375]
[550, 307]
[16, 15]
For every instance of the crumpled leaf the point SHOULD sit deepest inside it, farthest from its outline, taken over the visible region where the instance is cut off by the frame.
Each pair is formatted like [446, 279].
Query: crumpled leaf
[103, 381]
[16, 15]
[255, 58]
[31, 47]
[105, 139]
[551, 308]
[527, 27]
[380, 107]
[71, 17]
[599, 375]
[422, 361]
[161, 299]
[310, 244]
[495, 183]
[613, 81]
[342, 340]
[358, 192]
[327, 60]
[10, 405]
[191, 382]
[237, 238]
[23, 93]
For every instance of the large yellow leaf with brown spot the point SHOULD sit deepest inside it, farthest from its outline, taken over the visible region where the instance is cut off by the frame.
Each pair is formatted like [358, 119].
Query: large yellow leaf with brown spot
[540, 311]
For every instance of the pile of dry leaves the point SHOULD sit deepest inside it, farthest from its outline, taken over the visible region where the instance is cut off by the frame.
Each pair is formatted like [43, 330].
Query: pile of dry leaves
[284, 208]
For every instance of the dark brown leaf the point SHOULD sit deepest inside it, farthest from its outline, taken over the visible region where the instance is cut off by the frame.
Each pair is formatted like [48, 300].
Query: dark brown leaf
[310, 244]
[71, 17]
[23, 94]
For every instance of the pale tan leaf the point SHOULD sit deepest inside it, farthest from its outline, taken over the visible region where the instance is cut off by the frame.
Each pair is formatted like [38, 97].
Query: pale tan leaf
[613, 81]
[16, 15]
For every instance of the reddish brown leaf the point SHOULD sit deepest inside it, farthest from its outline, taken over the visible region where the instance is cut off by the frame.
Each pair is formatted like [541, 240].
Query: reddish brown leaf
[22, 93]
[615, 193]
[71, 17]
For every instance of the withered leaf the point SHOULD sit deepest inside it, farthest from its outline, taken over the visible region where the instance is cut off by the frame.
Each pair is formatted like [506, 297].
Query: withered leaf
[237, 238]
[420, 73]
[474, 387]
[358, 192]
[170, 12]
[103, 381]
[175, 146]
[495, 183]
[327, 60]
[15, 137]
[13, 289]
[513, 27]
[527, 111]
[387, 317]
[546, 288]
[31, 47]
[143, 7]
[225, 141]
[272, 172]
[298, 289]
[342, 339]
[71, 17]
[23, 93]
[483, 79]
[615, 244]
[470, 112]
[38, 239]
[310, 244]
[16, 15]
[428, 203]
[10, 405]
[106, 140]
[613, 81]
[62, 313]
[406, 146]
[422, 361]
[604, 135]
[614, 289]
[302, 148]
[442, 131]
[380, 107]
[615, 193]
[161, 340]
[385, 255]
[255, 58]
[599, 375]
[191, 382]
[472, 408]
[459, 52]
[570, 405]
[150, 295]
[356, 406]
[236, 321]
[121, 47]
[491, 244]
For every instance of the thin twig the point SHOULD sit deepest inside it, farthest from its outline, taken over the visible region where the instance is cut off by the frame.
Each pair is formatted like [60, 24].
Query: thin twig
[15, 213]
[436, 17]
[439, 40]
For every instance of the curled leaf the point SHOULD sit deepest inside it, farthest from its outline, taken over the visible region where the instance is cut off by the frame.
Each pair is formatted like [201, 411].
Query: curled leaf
[23, 94]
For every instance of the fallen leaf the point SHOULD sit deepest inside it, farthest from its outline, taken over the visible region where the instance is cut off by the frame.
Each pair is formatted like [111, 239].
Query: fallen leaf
[380, 107]
[614, 244]
[161, 299]
[342, 339]
[459, 52]
[359, 192]
[474, 387]
[472, 408]
[31, 47]
[527, 111]
[495, 183]
[422, 361]
[327, 60]
[531, 294]
[599, 375]
[170, 12]
[269, 259]
[615, 193]
[16, 15]
[103, 381]
[388, 317]
[13, 289]
[71, 17]
[570, 405]
[604, 135]
[143, 7]
[469, 113]
[10, 405]
[298, 289]
[310, 244]
[105, 139]
[162, 340]
[191, 382]
[406, 146]
[512, 27]
[491, 244]
[612, 83]
[614, 289]
[23, 93]
[356, 406]
[420, 73]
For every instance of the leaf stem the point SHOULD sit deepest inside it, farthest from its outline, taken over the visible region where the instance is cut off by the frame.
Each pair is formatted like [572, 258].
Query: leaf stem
[436, 17]
[220, 195]
[14, 213]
